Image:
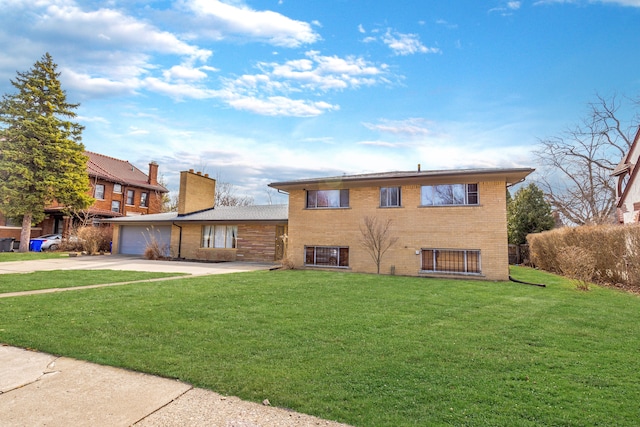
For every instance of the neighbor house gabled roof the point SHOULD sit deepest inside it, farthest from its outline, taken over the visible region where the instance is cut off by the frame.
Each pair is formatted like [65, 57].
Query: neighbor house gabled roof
[119, 171]
[227, 214]
[510, 176]
[628, 165]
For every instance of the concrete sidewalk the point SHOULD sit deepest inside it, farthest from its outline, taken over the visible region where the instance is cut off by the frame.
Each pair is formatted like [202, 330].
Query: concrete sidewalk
[38, 389]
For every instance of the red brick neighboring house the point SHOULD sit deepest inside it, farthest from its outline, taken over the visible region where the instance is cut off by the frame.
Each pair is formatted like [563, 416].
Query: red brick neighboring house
[120, 189]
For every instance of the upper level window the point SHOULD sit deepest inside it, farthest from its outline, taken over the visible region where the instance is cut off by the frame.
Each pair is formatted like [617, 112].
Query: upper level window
[449, 195]
[389, 196]
[99, 193]
[115, 206]
[117, 188]
[327, 199]
[144, 200]
[130, 196]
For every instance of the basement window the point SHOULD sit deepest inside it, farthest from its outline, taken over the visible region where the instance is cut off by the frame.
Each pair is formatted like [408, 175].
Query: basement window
[326, 256]
[464, 261]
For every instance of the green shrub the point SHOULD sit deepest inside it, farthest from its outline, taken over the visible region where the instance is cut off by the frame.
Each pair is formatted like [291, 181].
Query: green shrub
[606, 253]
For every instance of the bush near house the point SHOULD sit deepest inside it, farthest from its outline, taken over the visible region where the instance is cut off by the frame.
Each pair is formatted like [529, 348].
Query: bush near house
[613, 250]
[94, 239]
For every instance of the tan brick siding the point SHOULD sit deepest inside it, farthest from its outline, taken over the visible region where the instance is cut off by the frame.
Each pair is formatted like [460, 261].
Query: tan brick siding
[482, 227]
[255, 243]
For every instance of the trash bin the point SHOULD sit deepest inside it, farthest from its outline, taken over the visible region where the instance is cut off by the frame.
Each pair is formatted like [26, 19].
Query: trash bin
[35, 245]
[6, 244]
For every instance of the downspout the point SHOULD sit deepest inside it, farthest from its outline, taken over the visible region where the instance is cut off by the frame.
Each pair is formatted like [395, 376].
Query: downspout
[179, 239]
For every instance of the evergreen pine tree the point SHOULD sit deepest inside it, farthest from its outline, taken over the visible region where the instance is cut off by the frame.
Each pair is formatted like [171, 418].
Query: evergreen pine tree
[41, 154]
[528, 212]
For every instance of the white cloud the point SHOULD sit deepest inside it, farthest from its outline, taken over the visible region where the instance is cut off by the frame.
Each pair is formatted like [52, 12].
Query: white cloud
[184, 72]
[269, 92]
[508, 8]
[90, 86]
[406, 44]
[446, 24]
[409, 127]
[108, 28]
[280, 106]
[220, 20]
[178, 91]
[320, 72]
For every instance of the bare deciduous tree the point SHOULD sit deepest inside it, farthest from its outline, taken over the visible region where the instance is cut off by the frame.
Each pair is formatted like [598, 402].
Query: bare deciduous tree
[376, 238]
[577, 165]
[225, 196]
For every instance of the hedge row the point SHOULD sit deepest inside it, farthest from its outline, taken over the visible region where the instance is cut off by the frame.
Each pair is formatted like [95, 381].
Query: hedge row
[599, 254]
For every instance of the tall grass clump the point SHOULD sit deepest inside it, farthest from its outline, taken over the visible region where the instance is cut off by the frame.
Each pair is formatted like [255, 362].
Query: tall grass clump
[94, 239]
[598, 253]
[154, 249]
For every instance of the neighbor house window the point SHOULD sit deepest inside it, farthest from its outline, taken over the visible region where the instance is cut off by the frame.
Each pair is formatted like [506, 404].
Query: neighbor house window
[130, 197]
[449, 195]
[326, 256]
[389, 196]
[327, 199]
[117, 188]
[219, 236]
[144, 200]
[115, 206]
[451, 261]
[99, 193]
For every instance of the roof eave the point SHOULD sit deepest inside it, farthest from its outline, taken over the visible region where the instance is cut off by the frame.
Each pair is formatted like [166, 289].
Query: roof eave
[509, 176]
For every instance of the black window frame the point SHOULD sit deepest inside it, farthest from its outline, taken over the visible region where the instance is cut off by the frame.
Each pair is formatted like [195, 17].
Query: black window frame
[335, 256]
[144, 200]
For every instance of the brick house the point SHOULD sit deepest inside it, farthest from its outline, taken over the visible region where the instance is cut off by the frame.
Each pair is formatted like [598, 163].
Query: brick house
[201, 231]
[119, 189]
[451, 222]
[628, 184]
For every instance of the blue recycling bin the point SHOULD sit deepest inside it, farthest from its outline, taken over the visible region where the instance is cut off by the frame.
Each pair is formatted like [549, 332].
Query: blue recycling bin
[35, 245]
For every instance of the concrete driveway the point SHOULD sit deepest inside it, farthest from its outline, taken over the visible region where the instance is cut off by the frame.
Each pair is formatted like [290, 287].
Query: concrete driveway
[129, 263]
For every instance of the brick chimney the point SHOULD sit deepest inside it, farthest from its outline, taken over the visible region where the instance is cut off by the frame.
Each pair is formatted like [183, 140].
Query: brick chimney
[153, 173]
[197, 192]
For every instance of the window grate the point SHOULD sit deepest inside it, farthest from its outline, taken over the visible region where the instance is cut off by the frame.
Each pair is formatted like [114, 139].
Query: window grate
[451, 261]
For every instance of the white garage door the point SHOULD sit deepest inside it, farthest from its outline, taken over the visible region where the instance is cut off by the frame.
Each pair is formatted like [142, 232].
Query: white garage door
[134, 238]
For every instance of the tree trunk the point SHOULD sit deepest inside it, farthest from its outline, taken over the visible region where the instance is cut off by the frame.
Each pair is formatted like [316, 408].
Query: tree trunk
[25, 233]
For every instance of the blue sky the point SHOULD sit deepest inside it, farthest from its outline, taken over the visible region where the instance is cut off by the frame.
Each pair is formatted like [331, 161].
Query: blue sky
[257, 91]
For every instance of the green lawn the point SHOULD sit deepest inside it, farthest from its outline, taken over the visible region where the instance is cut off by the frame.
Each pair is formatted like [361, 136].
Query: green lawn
[28, 256]
[70, 279]
[363, 349]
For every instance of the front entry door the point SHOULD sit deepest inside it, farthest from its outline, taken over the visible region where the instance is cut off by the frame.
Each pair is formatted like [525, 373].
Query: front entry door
[281, 237]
